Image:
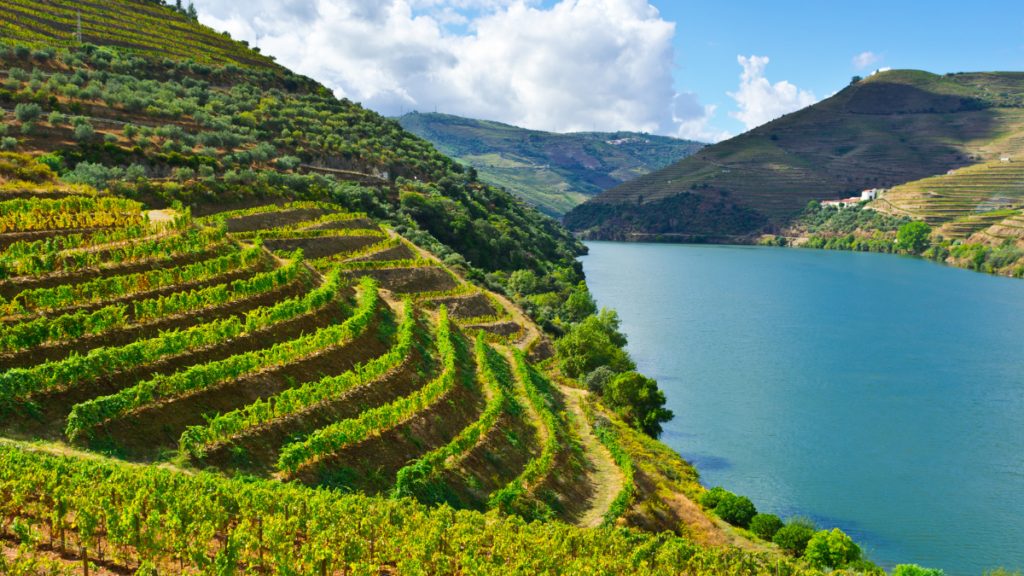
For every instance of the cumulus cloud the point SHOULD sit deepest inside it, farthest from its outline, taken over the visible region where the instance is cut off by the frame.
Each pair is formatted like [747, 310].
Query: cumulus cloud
[563, 68]
[865, 59]
[759, 101]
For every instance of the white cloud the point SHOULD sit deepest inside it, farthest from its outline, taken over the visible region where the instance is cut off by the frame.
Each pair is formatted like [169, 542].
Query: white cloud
[866, 59]
[759, 101]
[566, 68]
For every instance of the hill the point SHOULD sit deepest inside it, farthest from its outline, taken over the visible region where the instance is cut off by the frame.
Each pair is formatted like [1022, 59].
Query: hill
[250, 328]
[551, 171]
[887, 130]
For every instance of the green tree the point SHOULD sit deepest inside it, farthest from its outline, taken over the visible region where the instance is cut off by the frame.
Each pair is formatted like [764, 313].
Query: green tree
[192, 14]
[710, 498]
[638, 401]
[593, 342]
[855, 79]
[27, 112]
[580, 304]
[793, 538]
[84, 132]
[736, 510]
[523, 282]
[915, 570]
[831, 549]
[765, 526]
[913, 237]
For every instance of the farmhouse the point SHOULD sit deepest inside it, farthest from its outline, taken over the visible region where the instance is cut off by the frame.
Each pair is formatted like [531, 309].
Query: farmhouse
[869, 194]
[844, 203]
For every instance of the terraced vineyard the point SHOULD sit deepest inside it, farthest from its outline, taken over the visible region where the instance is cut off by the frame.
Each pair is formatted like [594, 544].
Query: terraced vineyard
[141, 27]
[962, 204]
[887, 130]
[258, 330]
[297, 342]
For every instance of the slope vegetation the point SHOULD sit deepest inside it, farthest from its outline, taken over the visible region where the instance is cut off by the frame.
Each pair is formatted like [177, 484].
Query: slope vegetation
[889, 129]
[248, 328]
[553, 172]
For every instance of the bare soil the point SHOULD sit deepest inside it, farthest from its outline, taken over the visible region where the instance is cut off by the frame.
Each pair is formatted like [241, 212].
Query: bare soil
[12, 287]
[408, 280]
[603, 476]
[354, 224]
[387, 255]
[56, 405]
[313, 248]
[268, 220]
[9, 238]
[120, 337]
[160, 425]
[498, 328]
[464, 307]
[259, 449]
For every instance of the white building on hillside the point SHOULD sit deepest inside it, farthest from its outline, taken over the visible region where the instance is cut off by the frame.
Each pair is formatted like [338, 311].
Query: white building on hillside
[869, 194]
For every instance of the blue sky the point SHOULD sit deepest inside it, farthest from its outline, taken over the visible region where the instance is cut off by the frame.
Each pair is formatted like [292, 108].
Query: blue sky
[811, 44]
[649, 65]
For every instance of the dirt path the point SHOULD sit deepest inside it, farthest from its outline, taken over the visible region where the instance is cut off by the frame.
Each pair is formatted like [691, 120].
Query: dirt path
[605, 475]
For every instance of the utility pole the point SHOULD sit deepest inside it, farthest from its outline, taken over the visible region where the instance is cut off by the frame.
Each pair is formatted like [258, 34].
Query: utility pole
[257, 40]
[79, 27]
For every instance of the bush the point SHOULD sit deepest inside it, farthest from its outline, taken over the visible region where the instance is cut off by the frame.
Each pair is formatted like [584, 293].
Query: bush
[28, 128]
[710, 499]
[111, 138]
[913, 237]
[8, 143]
[523, 282]
[27, 112]
[183, 174]
[54, 163]
[638, 401]
[736, 510]
[596, 380]
[55, 118]
[831, 549]
[764, 526]
[22, 51]
[593, 342]
[915, 570]
[84, 132]
[793, 538]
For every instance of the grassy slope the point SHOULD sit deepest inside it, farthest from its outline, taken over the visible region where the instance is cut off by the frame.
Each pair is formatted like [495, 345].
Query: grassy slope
[889, 129]
[551, 171]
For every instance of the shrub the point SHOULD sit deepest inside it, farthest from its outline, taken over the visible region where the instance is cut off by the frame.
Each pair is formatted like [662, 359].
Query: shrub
[22, 51]
[8, 143]
[831, 549]
[793, 538]
[915, 570]
[523, 282]
[55, 118]
[3, 129]
[711, 498]
[736, 510]
[637, 399]
[111, 138]
[131, 131]
[28, 128]
[765, 526]
[27, 112]
[596, 380]
[84, 132]
[288, 162]
[183, 174]
[143, 142]
[54, 163]
[913, 237]
[593, 342]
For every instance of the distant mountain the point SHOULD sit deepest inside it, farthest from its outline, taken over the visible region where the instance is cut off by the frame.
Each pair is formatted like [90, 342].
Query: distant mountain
[886, 130]
[553, 172]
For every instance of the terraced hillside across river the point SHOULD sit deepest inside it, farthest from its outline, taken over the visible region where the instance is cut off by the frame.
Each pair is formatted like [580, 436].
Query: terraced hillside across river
[887, 130]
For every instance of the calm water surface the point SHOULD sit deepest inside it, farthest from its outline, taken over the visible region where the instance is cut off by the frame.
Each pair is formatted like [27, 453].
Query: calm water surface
[876, 393]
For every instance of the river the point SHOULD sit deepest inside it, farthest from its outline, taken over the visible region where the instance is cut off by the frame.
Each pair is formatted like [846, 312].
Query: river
[877, 393]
